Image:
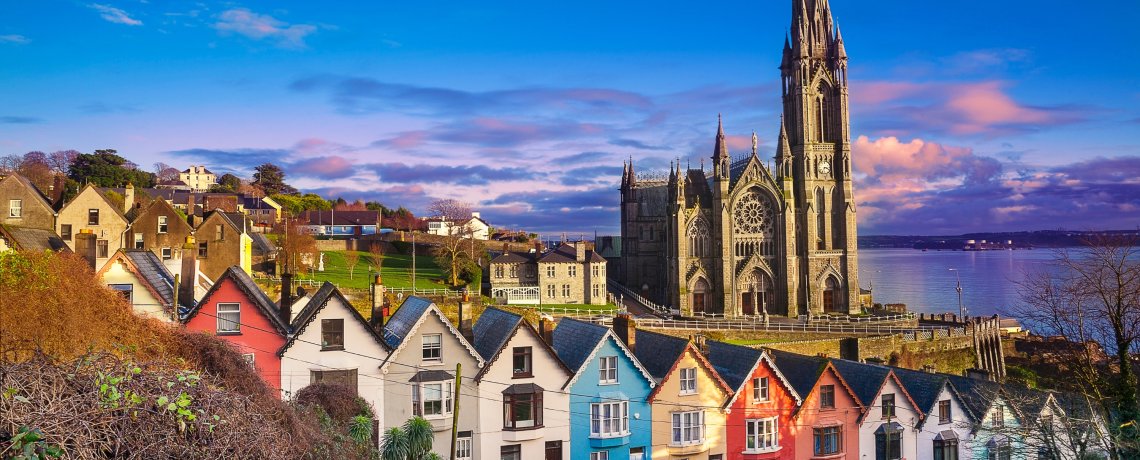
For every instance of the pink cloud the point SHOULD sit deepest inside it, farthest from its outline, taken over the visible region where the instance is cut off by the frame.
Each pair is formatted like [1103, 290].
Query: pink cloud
[918, 158]
[981, 106]
[326, 167]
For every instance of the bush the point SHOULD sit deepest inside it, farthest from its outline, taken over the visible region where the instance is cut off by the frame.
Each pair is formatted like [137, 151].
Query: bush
[340, 402]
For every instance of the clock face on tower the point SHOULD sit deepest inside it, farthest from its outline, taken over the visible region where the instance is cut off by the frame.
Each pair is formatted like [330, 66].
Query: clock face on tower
[824, 167]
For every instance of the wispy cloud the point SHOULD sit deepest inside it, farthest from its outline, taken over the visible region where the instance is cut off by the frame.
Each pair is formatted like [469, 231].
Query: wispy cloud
[18, 120]
[115, 15]
[403, 173]
[256, 26]
[15, 39]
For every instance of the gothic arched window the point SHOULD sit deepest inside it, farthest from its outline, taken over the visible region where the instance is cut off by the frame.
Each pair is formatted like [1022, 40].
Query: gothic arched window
[821, 219]
[754, 219]
[699, 241]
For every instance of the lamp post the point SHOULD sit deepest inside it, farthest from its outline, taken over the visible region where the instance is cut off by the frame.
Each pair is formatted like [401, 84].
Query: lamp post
[958, 287]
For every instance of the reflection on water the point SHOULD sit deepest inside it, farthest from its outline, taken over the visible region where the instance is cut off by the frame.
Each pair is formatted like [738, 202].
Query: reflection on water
[925, 283]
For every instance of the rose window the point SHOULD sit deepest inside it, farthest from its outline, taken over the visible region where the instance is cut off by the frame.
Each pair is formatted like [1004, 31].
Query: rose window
[753, 215]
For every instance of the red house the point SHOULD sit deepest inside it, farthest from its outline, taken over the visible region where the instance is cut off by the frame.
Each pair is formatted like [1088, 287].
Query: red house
[239, 312]
[760, 410]
[826, 425]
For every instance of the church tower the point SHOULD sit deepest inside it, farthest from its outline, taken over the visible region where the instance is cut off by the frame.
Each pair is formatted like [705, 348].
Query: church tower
[818, 157]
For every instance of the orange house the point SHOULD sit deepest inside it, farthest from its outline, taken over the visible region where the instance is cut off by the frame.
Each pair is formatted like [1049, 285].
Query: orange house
[826, 425]
[239, 312]
[761, 408]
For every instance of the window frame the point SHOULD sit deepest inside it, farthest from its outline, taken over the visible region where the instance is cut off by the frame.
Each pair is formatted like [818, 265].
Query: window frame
[824, 434]
[945, 411]
[605, 371]
[351, 375]
[65, 231]
[614, 414]
[203, 250]
[464, 446]
[163, 224]
[511, 404]
[942, 447]
[446, 395]
[329, 330]
[16, 208]
[566, 290]
[92, 216]
[425, 347]
[527, 354]
[687, 428]
[826, 397]
[127, 290]
[600, 455]
[102, 249]
[513, 450]
[762, 434]
[887, 406]
[218, 314]
[140, 241]
[572, 271]
[166, 254]
[761, 390]
[688, 382]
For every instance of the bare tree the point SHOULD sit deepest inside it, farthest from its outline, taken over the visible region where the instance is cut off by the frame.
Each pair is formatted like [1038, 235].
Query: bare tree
[456, 249]
[165, 172]
[351, 258]
[60, 161]
[1092, 294]
[377, 252]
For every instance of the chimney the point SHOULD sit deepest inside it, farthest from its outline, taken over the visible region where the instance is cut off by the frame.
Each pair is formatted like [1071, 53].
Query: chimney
[580, 251]
[928, 368]
[702, 343]
[128, 198]
[189, 272]
[85, 246]
[286, 305]
[465, 317]
[546, 329]
[978, 374]
[379, 311]
[626, 329]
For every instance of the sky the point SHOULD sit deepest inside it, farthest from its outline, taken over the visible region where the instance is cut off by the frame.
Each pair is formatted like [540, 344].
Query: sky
[966, 116]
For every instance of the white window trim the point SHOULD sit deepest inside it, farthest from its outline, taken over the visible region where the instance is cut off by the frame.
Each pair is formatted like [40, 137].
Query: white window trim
[602, 368]
[760, 422]
[446, 395]
[16, 208]
[218, 311]
[163, 221]
[691, 379]
[600, 455]
[464, 448]
[423, 346]
[679, 417]
[619, 419]
[761, 396]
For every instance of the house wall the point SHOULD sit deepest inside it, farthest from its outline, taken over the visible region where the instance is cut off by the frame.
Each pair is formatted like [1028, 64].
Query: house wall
[407, 361]
[810, 416]
[257, 336]
[709, 398]
[959, 423]
[35, 213]
[221, 253]
[111, 228]
[361, 352]
[905, 415]
[586, 390]
[985, 432]
[780, 404]
[581, 284]
[548, 374]
[143, 303]
[146, 224]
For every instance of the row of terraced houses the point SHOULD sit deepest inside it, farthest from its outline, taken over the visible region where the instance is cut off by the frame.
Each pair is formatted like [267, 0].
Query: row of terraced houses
[573, 389]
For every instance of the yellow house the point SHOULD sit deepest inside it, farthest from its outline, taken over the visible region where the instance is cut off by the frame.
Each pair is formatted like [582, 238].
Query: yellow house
[689, 420]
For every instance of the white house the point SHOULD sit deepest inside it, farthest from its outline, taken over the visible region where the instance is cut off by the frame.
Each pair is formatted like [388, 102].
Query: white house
[198, 178]
[331, 342]
[143, 280]
[947, 426]
[420, 373]
[522, 408]
[473, 226]
[888, 424]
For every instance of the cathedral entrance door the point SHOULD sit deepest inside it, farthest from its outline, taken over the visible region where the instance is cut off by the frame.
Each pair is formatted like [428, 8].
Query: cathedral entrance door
[746, 305]
[698, 297]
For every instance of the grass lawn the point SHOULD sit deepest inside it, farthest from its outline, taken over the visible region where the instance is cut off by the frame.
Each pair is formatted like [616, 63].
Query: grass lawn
[396, 271]
[751, 342]
[570, 306]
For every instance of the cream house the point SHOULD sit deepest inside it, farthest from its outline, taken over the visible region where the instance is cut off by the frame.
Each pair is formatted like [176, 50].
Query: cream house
[91, 210]
[420, 374]
[331, 342]
[143, 280]
[198, 178]
[522, 409]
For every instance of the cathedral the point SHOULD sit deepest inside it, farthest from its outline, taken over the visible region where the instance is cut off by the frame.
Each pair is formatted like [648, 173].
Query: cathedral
[748, 239]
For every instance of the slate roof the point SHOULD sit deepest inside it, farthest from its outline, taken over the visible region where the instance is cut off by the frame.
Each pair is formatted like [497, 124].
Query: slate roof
[801, 371]
[317, 301]
[574, 341]
[405, 318]
[977, 394]
[492, 331]
[864, 379]
[261, 244]
[734, 363]
[512, 257]
[253, 202]
[258, 297]
[150, 268]
[658, 352]
[30, 186]
[33, 239]
[923, 387]
[566, 252]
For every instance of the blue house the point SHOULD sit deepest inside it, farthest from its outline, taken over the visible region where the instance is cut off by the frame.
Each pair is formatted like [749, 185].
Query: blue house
[610, 417]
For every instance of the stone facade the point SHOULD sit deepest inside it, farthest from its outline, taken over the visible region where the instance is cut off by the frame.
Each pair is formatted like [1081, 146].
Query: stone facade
[160, 229]
[570, 274]
[223, 243]
[198, 178]
[91, 210]
[22, 205]
[745, 238]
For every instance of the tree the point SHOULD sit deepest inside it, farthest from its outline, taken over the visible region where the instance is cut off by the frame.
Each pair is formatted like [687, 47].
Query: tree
[351, 258]
[457, 247]
[106, 168]
[377, 251]
[165, 172]
[411, 442]
[61, 160]
[1093, 295]
[298, 249]
[271, 178]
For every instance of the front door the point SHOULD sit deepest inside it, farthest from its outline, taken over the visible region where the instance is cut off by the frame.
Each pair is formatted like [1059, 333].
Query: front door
[746, 304]
[698, 303]
[553, 450]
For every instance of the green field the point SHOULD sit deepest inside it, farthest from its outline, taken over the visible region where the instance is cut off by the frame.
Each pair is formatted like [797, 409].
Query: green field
[396, 271]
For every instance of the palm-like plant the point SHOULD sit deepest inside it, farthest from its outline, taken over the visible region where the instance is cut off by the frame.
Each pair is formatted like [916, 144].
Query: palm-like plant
[412, 442]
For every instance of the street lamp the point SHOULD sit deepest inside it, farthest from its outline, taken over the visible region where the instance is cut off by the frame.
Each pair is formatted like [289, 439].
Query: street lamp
[958, 287]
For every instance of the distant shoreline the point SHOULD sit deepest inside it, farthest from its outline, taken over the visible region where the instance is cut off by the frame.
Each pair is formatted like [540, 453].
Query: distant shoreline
[1040, 239]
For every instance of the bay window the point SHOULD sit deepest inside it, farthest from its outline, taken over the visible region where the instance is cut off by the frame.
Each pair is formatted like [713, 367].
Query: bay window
[688, 428]
[609, 419]
[761, 435]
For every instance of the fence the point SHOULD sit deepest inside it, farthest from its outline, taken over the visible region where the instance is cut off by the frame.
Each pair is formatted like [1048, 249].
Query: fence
[570, 311]
[628, 293]
[652, 323]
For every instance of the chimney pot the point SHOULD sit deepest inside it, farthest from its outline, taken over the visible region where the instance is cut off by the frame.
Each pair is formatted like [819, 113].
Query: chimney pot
[85, 246]
[286, 297]
[626, 329]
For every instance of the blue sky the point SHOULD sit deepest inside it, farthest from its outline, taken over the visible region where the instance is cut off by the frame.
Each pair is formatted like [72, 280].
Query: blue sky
[966, 116]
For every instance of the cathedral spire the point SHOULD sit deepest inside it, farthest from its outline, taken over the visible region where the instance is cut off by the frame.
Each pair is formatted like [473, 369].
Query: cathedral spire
[840, 51]
[720, 150]
[783, 149]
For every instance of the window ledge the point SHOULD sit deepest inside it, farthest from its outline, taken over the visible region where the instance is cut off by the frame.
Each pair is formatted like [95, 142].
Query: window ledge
[828, 456]
[523, 434]
[341, 348]
[522, 376]
[609, 436]
[602, 384]
[687, 393]
[229, 333]
[761, 451]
